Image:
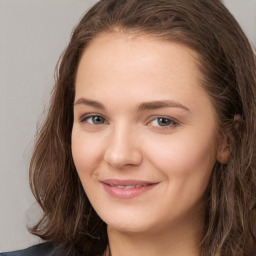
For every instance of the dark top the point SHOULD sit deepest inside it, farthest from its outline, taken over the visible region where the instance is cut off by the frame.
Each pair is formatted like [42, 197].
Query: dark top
[45, 249]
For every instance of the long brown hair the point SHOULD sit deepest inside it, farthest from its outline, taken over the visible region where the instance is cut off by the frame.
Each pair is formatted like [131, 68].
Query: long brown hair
[228, 69]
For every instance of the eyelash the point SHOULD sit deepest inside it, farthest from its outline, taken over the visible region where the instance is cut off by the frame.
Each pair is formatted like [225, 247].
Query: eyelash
[171, 123]
[85, 118]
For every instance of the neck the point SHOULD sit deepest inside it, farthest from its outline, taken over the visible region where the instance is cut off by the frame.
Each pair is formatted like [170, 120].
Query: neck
[183, 238]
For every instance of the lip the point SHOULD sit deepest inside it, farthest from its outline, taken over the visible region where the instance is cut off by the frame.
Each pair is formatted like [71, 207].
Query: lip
[134, 187]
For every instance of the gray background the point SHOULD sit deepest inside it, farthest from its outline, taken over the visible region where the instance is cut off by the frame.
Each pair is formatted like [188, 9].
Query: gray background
[33, 33]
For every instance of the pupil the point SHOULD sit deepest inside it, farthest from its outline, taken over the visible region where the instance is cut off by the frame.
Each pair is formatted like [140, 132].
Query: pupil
[98, 120]
[164, 121]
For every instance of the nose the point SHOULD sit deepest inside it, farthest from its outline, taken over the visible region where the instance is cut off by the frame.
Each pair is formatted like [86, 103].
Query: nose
[123, 149]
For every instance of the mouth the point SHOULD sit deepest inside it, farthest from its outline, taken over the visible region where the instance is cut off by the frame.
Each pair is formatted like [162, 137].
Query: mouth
[127, 189]
[127, 184]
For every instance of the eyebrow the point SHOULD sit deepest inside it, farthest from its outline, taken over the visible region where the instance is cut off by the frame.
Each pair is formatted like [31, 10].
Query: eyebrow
[161, 104]
[151, 105]
[88, 102]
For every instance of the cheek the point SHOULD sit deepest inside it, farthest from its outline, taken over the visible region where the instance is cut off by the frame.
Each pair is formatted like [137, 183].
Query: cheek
[183, 156]
[186, 165]
[86, 152]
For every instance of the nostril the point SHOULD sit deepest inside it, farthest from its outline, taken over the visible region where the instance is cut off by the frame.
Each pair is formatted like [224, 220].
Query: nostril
[120, 158]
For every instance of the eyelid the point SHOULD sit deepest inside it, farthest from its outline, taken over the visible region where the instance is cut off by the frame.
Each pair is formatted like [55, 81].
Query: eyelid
[84, 117]
[174, 122]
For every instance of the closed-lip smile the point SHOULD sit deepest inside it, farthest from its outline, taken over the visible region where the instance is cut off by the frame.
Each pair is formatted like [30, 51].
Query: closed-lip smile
[126, 189]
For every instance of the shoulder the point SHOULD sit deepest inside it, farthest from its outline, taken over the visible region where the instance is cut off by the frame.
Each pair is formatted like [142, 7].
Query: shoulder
[44, 249]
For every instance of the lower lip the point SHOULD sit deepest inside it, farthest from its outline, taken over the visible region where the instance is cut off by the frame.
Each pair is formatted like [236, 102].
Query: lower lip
[126, 193]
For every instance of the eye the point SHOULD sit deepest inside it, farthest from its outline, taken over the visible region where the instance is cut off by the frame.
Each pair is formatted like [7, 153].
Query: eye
[94, 119]
[163, 122]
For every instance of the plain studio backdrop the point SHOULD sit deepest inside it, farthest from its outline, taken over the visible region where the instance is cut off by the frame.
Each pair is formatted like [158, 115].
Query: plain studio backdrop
[33, 34]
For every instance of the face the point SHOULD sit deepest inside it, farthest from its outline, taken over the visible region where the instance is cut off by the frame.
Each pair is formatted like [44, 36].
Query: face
[143, 138]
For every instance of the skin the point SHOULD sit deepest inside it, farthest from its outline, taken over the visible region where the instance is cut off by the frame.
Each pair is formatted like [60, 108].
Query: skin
[121, 137]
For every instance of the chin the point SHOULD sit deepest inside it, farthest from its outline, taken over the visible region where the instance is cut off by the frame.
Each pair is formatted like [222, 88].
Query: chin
[128, 228]
[128, 223]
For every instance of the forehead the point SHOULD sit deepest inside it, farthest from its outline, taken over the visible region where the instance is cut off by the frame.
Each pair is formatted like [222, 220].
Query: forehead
[138, 67]
[135, 40]
[137, 53]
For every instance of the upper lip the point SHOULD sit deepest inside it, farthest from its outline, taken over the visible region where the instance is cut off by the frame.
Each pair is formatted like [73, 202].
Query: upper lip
[118, 182]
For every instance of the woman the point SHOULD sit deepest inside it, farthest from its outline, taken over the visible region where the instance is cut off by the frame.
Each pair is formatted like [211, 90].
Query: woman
[148, 146]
